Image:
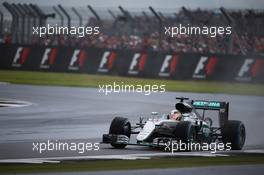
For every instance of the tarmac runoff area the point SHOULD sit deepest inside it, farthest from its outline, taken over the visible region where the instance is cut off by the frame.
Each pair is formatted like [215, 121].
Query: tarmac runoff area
[67, 114]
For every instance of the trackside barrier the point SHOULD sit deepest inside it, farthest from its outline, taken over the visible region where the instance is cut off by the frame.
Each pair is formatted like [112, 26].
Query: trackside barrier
[180, 66]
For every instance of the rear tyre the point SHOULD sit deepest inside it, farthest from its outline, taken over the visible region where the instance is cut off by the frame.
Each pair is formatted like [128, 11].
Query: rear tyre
[234, 132]
[120, 126]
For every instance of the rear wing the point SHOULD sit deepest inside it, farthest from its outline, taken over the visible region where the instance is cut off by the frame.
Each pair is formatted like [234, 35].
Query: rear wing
[222, 107]
[209, 105]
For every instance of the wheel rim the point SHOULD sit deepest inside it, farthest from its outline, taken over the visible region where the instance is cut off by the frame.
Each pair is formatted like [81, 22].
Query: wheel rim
[127, 130]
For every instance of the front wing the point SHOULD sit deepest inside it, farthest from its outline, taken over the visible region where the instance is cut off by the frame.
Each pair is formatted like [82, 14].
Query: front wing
[123, 139]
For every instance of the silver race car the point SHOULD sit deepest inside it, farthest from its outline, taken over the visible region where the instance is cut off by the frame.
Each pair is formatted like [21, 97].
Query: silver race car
[183, 124]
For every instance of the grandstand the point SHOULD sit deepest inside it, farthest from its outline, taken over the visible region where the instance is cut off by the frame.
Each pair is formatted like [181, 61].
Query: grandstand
[135, 29]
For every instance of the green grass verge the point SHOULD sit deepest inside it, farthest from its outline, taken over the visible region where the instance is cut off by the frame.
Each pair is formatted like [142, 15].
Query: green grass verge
[104, 165]
[87, 80]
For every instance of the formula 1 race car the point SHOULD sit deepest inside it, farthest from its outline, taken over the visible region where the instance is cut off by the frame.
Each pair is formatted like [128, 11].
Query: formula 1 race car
[183, 124]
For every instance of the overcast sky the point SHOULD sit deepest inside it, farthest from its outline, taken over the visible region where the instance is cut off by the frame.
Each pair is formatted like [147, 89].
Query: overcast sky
[256, 4]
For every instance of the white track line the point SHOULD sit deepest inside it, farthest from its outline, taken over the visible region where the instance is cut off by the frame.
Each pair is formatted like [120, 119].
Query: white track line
[35, 161]
[4, 83]
[126, 156]
[109, 157]
[13, 103]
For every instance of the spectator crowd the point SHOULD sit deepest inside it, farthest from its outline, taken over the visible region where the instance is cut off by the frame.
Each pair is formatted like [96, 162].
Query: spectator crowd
[142, 32]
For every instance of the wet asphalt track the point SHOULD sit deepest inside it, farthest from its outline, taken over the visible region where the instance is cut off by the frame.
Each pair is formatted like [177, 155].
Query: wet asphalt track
[215, 170]
[83, 115]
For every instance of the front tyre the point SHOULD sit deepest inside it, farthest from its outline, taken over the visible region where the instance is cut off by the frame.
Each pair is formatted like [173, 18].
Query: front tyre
[234, 132]
[120, 126]
[185, 132]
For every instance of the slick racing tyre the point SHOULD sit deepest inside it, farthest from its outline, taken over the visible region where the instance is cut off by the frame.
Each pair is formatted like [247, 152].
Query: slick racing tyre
[120, 126]
[234, 132]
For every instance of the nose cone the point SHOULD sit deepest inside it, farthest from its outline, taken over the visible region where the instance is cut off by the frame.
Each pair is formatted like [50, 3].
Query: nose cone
[146, 131]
